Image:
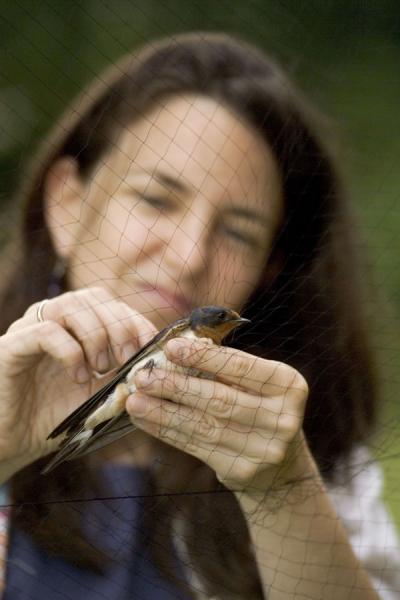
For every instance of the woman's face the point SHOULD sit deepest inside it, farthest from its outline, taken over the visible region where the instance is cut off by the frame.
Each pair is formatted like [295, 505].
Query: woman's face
[180, 213]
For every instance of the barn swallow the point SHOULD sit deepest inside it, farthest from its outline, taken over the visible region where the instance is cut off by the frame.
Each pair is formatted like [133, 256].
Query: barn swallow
[103, 419]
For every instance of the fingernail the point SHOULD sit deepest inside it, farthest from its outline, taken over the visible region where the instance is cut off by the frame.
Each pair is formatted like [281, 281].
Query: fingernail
[143, 378]
[138, 405]
[128, 350]
[178, 349]
[102, 362]
[82, 374]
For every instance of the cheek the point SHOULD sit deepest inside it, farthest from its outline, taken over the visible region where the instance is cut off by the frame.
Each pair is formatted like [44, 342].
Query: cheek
[132, 240]
[112, 243]
[125, 235]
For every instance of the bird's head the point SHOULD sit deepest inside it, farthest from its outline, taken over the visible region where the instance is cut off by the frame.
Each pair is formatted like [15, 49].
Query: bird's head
[215, 322]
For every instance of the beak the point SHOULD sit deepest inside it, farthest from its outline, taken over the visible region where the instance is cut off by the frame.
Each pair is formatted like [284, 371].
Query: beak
[241, 321]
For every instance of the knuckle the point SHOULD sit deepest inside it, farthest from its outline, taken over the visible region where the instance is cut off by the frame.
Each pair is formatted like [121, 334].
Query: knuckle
[98, 337]
[91, 296]
[15, 326]
[244, 471]
[31, 309]
[99, 289]
[300, 385]
[98, 292]
[240, 365]
[207, 428]
[297, 397]
[133, 315]
[49, 328]
[66, 306]
[138, 318]
[199, 353]
[73, 355]
[192, 354]
[288, 426]
[129, 315]
[70, 297]
[172, 383]
[221, 404]
[275, 451]
[294, 379]
[49, 312]
[249, 471]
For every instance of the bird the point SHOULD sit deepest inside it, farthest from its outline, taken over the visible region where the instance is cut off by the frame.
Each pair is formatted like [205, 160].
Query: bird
[103, 419]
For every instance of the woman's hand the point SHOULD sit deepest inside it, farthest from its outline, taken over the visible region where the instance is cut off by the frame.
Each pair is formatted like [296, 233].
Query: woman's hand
[245, 423]
[46, 368]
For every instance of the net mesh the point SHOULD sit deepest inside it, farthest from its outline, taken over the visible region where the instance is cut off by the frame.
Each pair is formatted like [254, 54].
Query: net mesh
[181, 210]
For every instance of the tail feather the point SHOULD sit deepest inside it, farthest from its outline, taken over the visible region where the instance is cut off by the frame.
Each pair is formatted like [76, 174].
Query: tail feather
[64, 454]
[87, 440]
[79, 415]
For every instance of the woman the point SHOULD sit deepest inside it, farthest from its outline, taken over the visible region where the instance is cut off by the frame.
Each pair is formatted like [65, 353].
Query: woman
[189, 175]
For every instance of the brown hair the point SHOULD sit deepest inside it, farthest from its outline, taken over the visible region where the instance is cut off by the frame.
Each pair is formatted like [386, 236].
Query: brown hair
[308, 314]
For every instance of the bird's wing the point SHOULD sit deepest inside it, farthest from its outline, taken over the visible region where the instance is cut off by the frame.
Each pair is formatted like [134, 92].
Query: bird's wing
[73, 422]
[112, 430]
[76, 418]
[80, 444]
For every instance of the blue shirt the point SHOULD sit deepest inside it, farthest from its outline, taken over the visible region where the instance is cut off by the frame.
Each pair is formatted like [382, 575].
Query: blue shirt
[114, 526]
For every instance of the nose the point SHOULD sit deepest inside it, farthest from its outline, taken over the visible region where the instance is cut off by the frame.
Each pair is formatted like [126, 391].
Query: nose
[188, 249]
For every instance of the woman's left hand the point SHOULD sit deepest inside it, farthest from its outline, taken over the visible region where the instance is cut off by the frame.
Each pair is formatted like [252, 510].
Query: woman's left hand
[245, 422]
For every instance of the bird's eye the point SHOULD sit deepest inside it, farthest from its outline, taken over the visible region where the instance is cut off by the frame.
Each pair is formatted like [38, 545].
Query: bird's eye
[221, 316]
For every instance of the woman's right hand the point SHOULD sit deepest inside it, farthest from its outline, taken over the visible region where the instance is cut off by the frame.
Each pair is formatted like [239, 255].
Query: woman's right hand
[46, 368]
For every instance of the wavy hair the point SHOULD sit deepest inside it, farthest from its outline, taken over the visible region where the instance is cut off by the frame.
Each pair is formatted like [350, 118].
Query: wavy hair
[306, 309]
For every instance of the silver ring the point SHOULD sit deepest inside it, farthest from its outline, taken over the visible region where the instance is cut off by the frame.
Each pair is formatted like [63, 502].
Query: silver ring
[39, 310]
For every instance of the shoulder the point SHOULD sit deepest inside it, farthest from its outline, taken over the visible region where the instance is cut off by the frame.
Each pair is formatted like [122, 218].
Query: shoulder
[360, 478]
[356, 494]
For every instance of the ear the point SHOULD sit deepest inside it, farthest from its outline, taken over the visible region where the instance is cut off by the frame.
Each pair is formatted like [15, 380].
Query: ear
[63, 196]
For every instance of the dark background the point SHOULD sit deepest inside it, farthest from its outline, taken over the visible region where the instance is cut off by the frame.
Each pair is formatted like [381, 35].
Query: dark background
[344, 54]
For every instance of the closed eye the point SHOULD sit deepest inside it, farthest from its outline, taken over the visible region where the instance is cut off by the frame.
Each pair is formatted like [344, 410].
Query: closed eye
[157, 202]
[240, 236]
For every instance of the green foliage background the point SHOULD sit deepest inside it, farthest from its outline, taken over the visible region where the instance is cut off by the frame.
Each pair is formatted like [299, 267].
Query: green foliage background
[345, 55]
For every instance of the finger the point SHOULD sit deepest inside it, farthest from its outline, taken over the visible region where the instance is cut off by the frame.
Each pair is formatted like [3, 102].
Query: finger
[96, 319]
[127, 330]
[225, 451]
[137, 325]
[71, 311]
[235, 472]
[26, 347]
[258, 375]
[174, 438]
[222, 401]
[108, 329]
[207, 431]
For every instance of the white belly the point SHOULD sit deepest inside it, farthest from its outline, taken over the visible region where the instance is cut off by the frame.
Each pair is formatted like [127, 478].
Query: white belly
[115, 403]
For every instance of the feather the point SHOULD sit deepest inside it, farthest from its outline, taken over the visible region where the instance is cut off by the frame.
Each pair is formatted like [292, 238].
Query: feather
[103, 418]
